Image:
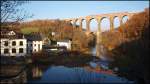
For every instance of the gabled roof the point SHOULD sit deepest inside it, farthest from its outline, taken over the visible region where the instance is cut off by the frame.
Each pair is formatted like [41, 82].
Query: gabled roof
[34, 37]
[6, 33]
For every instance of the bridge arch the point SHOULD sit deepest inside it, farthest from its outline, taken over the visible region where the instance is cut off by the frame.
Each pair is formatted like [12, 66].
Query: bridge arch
[93, 24]
[77, 24]
[105, 23]
[83, 24]
[125, 18]
[71, 22]
[116, 21]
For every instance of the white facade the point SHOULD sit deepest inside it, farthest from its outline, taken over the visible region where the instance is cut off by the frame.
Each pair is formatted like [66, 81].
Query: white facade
[15, 44]
[66, 44]
[34, 46]
[13, 47]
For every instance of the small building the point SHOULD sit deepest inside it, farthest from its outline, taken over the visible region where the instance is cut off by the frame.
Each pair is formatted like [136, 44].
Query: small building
[34, 43]
[46, 41]
[64, 43]
[12, 43]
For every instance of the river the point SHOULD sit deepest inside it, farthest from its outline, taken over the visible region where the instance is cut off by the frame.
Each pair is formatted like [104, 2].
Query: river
[62, 74]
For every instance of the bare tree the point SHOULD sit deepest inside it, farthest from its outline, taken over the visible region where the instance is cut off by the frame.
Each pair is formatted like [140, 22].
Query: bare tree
[10, 11]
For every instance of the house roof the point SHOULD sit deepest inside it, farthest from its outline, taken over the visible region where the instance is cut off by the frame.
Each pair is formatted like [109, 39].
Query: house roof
[34, 37]
[5, 33]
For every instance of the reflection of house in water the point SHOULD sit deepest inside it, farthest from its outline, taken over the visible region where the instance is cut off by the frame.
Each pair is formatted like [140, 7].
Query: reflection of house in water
[36, 72]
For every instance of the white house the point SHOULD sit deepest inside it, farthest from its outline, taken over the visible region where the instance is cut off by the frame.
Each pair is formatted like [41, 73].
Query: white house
[35, 43]
[65, 43]
[12, 44]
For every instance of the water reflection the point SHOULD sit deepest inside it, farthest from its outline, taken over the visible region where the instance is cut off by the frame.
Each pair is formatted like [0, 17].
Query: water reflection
[61, 74]
[101, 50]
[93, 51]
[37, 72]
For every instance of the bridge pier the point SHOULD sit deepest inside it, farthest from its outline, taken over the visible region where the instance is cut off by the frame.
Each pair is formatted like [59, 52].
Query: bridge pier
[87, 27]
[80, 26]
[98, 40]
[98, 44]
[74, 24]
[111, 24]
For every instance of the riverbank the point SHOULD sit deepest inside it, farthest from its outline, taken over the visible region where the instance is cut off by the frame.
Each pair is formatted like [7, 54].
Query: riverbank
[41, 63]
[68, 58]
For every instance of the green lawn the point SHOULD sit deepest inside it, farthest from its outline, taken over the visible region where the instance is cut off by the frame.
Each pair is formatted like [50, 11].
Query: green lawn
[29, 30]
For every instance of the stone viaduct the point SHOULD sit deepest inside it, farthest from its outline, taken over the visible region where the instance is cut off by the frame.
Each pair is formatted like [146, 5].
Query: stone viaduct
[99, 18]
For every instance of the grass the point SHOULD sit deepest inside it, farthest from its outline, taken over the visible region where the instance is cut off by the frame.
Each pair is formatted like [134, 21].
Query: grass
[29, 30]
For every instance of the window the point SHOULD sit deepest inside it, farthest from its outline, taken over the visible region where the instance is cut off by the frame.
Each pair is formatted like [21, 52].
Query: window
[6, 51]
[6, 43]
[21, 43]
[31, 45]
[13, 43]
[20, 50]
[34, 50]
[34, 44]
[13, 50]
